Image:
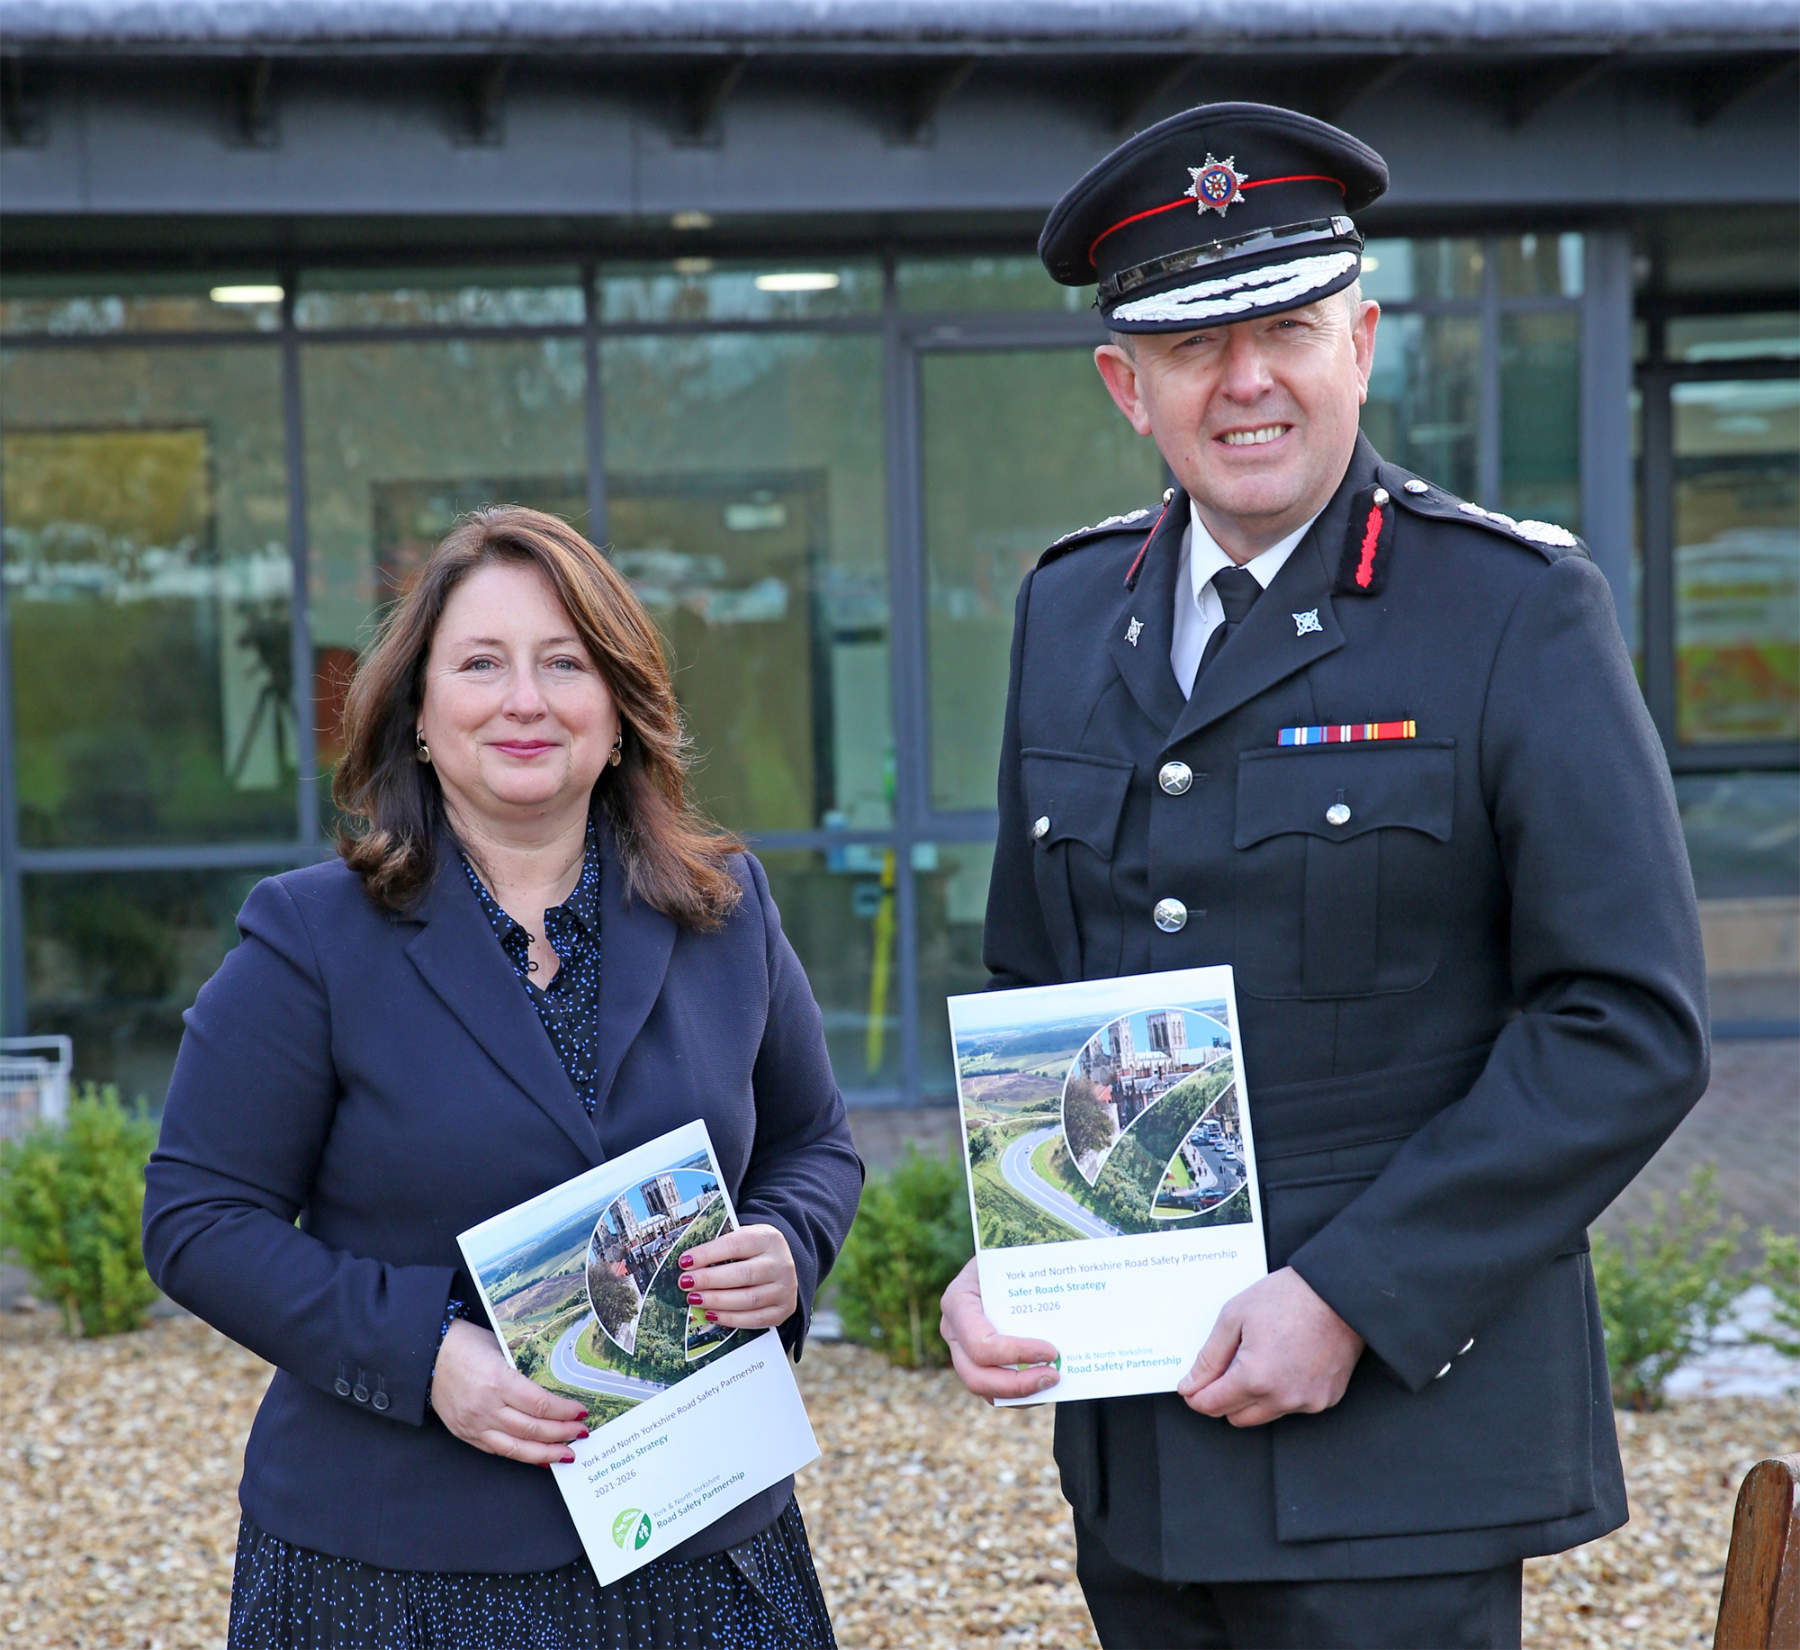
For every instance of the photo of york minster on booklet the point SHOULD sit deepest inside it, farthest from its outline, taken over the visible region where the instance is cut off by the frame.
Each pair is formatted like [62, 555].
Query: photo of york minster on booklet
[686, 1419]
[1111, 1170]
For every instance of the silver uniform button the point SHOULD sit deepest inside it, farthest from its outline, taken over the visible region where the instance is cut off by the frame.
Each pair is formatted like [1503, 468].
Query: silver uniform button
[1337, 814]
[1171, 915]
[1416, 487]
[1168, 495]
[1175, 778]
[1381, 495]
[1040, 828]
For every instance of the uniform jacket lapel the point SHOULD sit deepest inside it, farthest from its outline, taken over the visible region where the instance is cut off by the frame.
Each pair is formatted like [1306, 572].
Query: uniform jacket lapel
[1146, 612]
[456, 952]
[1269, 645]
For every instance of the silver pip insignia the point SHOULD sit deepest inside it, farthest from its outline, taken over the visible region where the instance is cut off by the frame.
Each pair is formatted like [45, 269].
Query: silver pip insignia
[1134, 630]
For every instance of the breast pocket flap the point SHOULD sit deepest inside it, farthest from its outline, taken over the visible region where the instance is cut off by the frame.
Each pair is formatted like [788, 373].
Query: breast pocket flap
[1075, 798]
[1337, 793]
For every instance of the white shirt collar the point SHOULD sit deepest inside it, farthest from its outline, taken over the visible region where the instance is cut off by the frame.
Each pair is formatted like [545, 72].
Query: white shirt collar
[1205, 558]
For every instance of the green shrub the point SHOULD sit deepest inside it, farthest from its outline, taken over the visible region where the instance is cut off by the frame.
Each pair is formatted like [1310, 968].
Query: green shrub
[910, 1239]
[71, 1205]
[1780, 1270]
[1665, 1284]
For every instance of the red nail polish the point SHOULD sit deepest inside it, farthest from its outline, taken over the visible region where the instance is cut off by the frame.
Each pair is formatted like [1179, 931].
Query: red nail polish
[581, 1434]
[712, 1317]
[685, 1261]
[567, 1460]
[694, 1299]
[687, 1281]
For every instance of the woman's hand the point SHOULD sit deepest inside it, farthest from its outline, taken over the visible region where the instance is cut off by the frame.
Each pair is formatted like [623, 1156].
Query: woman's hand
[481, 1398]
[743, 1280]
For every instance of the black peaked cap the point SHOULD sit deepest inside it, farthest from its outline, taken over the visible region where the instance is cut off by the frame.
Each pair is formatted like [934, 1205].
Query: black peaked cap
[1221, 213]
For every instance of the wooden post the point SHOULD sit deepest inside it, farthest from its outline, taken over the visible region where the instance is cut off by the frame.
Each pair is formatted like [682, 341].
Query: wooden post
[1759, 1604]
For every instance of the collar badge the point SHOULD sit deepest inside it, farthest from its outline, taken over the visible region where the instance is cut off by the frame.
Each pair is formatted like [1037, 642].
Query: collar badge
[1305, 624]
[1134, 630]
[1217, 184]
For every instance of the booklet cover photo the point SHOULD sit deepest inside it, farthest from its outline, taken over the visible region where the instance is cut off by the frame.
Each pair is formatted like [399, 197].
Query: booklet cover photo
[687, 1418]
[1112, 1169]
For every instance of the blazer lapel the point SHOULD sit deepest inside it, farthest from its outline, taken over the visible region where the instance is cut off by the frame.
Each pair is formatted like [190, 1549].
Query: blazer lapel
[1292, 625]
[1141, 626]
[636, 942]
[456, 952]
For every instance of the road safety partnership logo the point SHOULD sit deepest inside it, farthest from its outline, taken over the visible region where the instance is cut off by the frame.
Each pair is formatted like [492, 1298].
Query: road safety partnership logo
[632, 1528]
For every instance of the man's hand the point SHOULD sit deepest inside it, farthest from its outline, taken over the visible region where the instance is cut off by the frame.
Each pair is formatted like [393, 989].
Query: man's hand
[1277, 1349]
[987, 1363]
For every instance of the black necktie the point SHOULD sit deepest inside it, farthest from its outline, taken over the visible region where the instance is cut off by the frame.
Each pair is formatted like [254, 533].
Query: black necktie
[1238, 590]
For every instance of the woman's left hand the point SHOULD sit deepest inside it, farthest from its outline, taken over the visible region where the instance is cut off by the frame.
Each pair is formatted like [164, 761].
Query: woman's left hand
[744, 1279]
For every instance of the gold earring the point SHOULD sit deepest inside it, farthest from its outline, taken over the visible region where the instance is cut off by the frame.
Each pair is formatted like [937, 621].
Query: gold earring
[420, 749]
[618, 750]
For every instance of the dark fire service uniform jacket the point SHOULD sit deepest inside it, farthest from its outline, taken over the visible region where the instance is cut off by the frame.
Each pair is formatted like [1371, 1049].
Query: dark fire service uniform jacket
[1470, 1012]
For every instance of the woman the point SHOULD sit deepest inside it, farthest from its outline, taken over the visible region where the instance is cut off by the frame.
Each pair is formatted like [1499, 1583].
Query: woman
[531, 956]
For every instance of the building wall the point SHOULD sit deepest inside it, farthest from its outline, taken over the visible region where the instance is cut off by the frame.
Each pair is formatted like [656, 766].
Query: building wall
[825, 476]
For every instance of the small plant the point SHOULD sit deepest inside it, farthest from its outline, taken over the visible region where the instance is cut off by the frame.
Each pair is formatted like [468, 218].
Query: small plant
[72, 1205]
[910, 1239]
[1780, 1271]
[1665, 1284]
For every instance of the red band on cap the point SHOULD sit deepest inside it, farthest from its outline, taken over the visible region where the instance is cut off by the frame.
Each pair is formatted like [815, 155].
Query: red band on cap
[1187, 200]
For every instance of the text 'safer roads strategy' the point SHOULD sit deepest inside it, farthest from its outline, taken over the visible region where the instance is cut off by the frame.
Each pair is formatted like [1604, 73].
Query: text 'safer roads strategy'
[686, 1418]
[1112, 1171]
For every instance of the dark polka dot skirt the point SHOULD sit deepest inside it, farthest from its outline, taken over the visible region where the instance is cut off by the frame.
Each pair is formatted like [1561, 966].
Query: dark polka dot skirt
[762, 1594]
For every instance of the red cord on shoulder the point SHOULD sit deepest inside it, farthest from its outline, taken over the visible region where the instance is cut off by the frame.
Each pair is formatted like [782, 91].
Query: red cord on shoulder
[1365, 569]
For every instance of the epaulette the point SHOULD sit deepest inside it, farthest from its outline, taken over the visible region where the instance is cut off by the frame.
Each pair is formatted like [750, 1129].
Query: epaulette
[1112, 524]
[1362, 569]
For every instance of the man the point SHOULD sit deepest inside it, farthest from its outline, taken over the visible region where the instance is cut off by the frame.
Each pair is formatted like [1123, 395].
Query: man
[1382, 751]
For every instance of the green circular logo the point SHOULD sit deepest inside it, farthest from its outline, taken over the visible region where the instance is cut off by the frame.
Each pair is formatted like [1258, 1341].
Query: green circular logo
[632, 1528]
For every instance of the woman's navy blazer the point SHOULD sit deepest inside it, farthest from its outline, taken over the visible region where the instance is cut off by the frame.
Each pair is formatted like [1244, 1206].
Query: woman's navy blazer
[354, 1088]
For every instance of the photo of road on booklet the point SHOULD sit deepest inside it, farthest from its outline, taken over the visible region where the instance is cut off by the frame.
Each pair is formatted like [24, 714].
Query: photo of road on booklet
[1112, 1170]
[686, 1418]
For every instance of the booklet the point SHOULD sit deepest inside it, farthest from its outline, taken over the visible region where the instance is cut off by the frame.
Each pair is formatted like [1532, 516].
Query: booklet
[1111, 1170]
[686, 1419]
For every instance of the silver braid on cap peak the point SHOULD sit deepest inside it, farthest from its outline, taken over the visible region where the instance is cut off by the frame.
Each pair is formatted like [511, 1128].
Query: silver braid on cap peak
[1277, 284]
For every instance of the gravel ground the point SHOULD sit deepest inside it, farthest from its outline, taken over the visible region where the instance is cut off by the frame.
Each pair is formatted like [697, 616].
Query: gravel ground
[936, 1521]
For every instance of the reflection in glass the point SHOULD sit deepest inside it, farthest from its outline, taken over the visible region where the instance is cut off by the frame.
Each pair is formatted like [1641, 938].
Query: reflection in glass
[1020, 447]
[1424, 400]
[534, 295]
[950, 886]
[1733, 337]
[1540, 417]
[235, 301]
[1540, 266]
[400, 439]
[838, 911]
[1396, 271]
[1737, 560]
[1743, 834]
[746, 503]
[1728, 249]
[112, 959]
[709, 289]
[148, 589]
[985, 283]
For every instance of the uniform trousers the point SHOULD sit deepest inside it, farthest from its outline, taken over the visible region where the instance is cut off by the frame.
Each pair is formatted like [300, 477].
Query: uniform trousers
[1470, 1610]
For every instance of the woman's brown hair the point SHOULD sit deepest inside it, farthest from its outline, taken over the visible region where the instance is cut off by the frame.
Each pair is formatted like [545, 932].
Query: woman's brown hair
[674, 860]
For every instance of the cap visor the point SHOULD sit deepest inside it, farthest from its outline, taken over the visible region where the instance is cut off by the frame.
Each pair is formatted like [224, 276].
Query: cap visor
[1240, 296]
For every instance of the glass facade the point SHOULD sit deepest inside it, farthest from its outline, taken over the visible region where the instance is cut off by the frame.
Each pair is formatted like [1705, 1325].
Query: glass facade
[823, 476]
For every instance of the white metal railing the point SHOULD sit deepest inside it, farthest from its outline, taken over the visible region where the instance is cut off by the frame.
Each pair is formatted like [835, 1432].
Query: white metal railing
[34, 1082]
